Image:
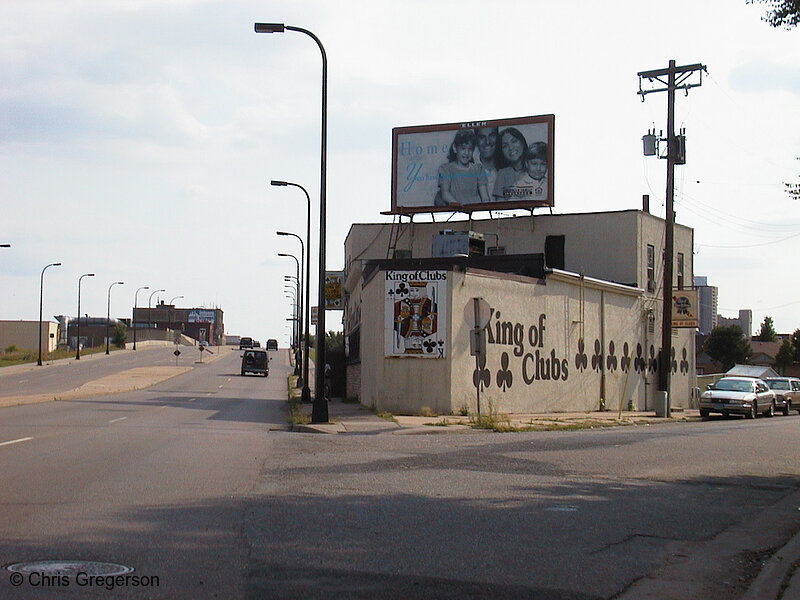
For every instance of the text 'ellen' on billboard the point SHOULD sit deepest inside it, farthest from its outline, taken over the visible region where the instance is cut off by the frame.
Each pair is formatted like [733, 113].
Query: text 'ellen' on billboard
[480, 165]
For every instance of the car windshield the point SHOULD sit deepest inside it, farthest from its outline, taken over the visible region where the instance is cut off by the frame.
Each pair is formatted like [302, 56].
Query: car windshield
[733, 385]
[777, 384]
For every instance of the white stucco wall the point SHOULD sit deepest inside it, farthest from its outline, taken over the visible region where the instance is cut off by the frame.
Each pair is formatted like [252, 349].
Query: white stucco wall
[560, 344]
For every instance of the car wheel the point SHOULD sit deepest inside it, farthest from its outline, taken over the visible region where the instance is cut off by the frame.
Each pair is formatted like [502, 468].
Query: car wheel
[242, 373]
[704, 414]
[770, 412]
[753, 411]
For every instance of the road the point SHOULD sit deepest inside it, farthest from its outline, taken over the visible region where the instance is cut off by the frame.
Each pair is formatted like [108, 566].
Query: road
[196, 482]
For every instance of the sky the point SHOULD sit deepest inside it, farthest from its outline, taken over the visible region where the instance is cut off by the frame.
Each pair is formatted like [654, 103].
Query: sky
[138, 137]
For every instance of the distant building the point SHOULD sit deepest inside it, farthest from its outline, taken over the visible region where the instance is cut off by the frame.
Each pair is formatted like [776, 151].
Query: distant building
[744, 321]
[708, 304]
[202, 324]
[25, 335]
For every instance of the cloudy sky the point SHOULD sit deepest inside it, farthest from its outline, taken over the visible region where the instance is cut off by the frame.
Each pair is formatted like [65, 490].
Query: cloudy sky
[138, 137]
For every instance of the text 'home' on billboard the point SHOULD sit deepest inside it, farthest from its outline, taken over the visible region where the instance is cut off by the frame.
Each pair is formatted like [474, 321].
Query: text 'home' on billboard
[478, 165]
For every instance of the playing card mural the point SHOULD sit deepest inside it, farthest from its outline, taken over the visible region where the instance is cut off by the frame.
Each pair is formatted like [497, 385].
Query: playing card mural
[415, 314]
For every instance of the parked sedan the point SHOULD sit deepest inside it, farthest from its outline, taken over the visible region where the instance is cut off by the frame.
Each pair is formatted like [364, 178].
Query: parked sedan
[738, 395]
[787, 392]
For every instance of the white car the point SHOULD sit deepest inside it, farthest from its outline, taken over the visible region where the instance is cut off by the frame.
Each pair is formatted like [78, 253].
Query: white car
[746, 396]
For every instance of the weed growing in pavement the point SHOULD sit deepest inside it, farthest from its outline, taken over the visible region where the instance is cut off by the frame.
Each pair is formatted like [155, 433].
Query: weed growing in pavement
[386, 416]
[296, 414]
[426, 411]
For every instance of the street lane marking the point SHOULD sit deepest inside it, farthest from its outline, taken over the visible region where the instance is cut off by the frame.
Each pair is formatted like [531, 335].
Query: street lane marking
[191, 399]
[116, 420]
[15, 441]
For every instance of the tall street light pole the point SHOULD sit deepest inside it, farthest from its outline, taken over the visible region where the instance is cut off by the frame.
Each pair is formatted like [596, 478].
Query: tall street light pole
[108, 316]
[135, 303]
[302, 280]
[297, 263]
[149, 301]
[41, 294]
[306, 393]
[169, 310]
[319, 411]
[78, 325]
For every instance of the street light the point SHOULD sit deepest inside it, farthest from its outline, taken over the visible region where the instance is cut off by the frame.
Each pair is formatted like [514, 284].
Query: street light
[41, 293]
[302, 278]
[78, 335]
[149, 300]
[319, 412]
[297, 263]
[306, 394]
[135, 302]
[108, 315]
[169, 310]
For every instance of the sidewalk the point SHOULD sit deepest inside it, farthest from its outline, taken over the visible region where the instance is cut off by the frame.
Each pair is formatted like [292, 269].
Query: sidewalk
[345, 417]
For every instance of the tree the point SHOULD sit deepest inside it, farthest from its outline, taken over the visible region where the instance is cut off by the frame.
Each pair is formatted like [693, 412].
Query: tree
[727, 346]
[781, 13]
[119, 335]
[796, 344]
[785, 356]
[768, 333]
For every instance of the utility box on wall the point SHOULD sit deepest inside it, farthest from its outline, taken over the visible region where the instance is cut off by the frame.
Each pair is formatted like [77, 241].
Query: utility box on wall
[458, 243]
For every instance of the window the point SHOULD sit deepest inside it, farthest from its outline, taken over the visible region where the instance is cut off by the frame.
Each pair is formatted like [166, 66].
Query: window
[680, 270]
[651, 268]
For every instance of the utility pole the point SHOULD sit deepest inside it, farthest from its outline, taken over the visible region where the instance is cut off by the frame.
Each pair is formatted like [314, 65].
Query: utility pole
[676, 78]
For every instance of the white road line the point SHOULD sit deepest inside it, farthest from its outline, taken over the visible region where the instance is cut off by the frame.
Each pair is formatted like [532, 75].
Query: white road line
[191, 399]
[116, 420]
[15, 441]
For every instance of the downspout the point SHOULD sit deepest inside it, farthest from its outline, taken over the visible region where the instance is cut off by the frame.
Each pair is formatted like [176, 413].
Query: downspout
[602, 350]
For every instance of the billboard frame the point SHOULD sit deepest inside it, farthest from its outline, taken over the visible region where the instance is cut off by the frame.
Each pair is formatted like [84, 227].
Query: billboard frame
[435, 154]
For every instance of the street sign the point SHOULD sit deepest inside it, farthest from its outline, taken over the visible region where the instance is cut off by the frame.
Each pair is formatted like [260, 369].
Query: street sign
[177, 353]
[314, 315]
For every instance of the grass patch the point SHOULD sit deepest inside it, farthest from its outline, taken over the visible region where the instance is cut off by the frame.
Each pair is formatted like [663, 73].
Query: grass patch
[14, 356]
[295, 414]
[387, 416]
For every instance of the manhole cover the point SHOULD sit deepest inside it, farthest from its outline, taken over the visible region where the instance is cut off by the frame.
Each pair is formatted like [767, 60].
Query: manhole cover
[69, 567]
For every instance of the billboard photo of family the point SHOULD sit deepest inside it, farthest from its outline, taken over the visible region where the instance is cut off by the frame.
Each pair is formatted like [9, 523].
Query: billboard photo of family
[481, 165]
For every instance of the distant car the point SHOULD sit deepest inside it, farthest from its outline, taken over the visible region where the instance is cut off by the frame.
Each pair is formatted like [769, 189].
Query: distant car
[746, 396]
[787, 392]
[255, 360]
[245, 342]
[256, 344]
[272, 344]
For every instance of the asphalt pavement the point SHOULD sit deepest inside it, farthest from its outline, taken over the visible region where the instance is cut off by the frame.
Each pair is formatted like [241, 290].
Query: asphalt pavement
[779, 577]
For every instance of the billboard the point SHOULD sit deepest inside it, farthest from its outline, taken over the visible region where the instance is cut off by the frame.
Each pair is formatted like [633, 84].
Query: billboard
[200, 316]
[685, 309]
[478, 165]
[415, 310]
